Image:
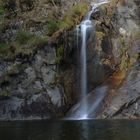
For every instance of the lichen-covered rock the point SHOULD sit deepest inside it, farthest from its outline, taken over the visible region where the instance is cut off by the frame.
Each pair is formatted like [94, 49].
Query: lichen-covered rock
[39, 60]
[31, 56]
[124, 101]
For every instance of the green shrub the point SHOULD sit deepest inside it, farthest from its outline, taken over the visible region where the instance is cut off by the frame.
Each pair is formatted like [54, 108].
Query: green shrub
[3, 48]
[59, 54]
[74, 15]
[2, 10]
[52, 26]
[4, 94]
[23, 37]
[11, 49]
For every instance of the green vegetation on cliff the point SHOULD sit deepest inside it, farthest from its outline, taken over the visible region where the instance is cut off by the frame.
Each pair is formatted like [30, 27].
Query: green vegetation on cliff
[71, 17]
[25, 41]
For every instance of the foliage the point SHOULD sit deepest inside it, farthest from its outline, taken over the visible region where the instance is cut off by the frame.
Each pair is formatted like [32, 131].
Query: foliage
[3, 49]
[59, 54]
[125, 58]
[24, 38]
[2, 10]
[100, 35]
[99, 38]
[52, 26]
[26, 42]
[72, 17]
[4, 94]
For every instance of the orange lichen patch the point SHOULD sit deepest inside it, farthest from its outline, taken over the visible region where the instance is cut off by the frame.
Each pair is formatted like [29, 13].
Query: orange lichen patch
[117, 78]
[114, 82]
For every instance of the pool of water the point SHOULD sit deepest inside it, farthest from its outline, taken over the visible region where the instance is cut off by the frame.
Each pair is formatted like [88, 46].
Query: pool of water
[71, 130]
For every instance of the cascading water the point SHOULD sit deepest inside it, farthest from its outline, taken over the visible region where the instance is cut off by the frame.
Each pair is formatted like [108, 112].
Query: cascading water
[85, 26]
[80, 111]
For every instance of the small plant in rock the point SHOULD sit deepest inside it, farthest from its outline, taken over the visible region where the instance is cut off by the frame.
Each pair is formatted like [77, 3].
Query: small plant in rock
[23, 36]
[52, 26]
[59, 54]
[4, 95]
[2, 10]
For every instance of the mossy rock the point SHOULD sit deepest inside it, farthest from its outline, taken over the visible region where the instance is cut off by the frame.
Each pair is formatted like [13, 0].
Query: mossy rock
[25, 44]
[2, 10]
[71, 18]
[99, 38]
[4, 95]
[100, 35]
[59, 54]
[74, 15]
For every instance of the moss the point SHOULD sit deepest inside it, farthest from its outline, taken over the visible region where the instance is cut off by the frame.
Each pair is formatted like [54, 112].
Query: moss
[36, 40]
[14, 69]
[59, 54]
[109, 9]
[8, 75]
[23, 37]
[74, 15]
[2, 10]
[38, 91]
[4, 95]
[25, 43]
[103, 7]
[125, 58]
[4, 48]
[52, 26]
[100, 35]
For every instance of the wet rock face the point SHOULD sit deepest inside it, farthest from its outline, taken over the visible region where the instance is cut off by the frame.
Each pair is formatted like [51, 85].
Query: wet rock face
[37, 107]
[31, 92]
[99, 52]
[126, 103]
[32, 81]
[43, 83]
[125, 100]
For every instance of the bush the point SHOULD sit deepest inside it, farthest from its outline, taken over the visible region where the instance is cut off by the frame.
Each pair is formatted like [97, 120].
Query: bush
[59, 54]
[74, 15]
[23, 37]
[2, 10]
[52, 26]
[4, 95]
[3, 48]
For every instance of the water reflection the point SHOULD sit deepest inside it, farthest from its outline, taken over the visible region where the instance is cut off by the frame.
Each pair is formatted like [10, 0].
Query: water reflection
[85, 133]
[71, 130]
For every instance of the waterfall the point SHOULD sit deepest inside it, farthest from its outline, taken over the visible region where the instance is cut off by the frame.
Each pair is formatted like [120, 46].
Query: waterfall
[85, 26]
[80, 111]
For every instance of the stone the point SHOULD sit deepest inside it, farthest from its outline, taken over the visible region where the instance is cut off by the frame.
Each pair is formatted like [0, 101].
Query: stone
[56, 96]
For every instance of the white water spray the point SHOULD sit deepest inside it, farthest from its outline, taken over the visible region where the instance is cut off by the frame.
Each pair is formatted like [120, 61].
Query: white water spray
[84, 28]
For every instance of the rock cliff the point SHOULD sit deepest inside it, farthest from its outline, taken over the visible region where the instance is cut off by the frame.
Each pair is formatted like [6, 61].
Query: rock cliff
[39, 58]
